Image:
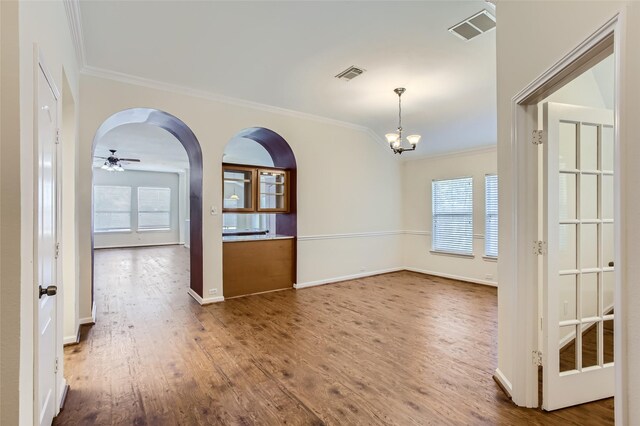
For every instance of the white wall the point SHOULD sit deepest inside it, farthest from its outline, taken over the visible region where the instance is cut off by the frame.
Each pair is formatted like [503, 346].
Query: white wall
[23, 25]
[524, 52]
[136, 179]
[417, 176]
[344, 175]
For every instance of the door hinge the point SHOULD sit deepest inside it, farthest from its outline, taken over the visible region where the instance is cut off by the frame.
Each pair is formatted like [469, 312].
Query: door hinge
[57, 136]
[537, 358]
[57, 250]
[537, 137]
[539, 248]
[55, 368]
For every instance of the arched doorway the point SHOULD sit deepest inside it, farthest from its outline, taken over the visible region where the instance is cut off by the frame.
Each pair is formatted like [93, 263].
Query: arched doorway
[259, 224]
[188, 140]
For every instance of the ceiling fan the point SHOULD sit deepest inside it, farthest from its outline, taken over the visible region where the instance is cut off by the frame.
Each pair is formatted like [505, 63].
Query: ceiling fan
[112, 163]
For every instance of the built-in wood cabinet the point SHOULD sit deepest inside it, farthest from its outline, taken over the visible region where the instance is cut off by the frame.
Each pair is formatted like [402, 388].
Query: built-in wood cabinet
[248, 189]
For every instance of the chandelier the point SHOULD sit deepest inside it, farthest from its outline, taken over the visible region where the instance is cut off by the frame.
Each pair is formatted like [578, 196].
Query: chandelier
[395, 139]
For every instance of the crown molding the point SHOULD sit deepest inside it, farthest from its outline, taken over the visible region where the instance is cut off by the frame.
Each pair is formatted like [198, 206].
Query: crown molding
[453, 154]
[72, 8]
[184, 90]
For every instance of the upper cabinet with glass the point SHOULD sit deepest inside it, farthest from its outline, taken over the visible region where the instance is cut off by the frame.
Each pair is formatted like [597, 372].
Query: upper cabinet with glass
[239, 195]
[273, 191]
[249, 189]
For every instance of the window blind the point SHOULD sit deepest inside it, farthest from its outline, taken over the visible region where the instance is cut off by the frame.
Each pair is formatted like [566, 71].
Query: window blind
[452, 203]
[154, 208]
[111, 208]
[491, 215]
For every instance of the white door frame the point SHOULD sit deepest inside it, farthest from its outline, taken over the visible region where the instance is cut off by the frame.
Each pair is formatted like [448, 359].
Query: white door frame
[60, 382]
[524, 213]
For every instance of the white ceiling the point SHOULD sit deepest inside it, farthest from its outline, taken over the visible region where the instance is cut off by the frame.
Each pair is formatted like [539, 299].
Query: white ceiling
[286, 54]
[156, 148]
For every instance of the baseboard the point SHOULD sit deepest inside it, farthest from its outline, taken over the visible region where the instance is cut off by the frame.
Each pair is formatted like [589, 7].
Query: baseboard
[453, 277]
[89, 320]
[136, 245]
[502, 381]
[72, 340]
[345, 278]
[206, 300]
[65, 392]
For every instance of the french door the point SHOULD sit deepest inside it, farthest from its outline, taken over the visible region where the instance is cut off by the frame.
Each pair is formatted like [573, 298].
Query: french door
[579, 265]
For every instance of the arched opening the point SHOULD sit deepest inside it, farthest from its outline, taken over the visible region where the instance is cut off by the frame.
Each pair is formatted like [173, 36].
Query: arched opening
[163, 121]
[259, 213]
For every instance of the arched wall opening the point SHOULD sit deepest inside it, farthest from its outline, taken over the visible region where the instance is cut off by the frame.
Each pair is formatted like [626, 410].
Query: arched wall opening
[282, 157]
[259, 224]
[188, 140]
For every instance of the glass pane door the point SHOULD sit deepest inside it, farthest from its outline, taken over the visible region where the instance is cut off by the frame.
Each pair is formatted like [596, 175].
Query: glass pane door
[273, 190]
[238, 189]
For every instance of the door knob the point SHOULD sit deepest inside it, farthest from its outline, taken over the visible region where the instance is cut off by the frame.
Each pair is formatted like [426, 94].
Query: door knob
[52, 290]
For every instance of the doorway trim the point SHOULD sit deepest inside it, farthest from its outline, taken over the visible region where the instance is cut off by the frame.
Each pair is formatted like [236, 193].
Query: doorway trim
[524, 213]
[187, 138]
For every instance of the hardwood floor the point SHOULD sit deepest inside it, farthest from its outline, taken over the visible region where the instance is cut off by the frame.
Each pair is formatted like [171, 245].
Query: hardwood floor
[400, 348]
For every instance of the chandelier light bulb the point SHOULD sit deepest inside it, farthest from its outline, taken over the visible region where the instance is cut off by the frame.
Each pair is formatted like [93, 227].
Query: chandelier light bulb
[395, 139]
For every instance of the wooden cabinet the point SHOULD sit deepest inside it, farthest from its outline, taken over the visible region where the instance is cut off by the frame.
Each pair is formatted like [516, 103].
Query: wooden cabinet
[248, 189]
[273, 186]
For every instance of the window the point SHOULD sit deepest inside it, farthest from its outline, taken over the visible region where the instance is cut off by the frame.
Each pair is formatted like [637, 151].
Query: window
[154, 208]
[111, 208]
[452, 202]
[491, 215]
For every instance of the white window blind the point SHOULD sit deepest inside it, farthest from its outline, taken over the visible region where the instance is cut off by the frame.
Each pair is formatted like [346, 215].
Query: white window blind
[111, 208]
[154, 208]
[491, 215]
[452, 202]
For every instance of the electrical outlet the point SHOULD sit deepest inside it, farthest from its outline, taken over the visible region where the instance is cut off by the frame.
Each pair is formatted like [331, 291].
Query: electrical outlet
[489, 277]
[214, 210]
[213, 291]
[566, 307]
[362, 269]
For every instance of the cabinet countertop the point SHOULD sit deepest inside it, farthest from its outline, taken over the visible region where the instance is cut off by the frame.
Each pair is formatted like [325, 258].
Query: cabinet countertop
[267, 237]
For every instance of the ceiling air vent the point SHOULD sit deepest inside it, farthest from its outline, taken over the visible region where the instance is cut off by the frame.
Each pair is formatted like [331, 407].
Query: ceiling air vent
[475, 25]
[350, 73]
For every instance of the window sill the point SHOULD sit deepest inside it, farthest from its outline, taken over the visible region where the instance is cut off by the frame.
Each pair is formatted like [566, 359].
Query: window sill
[115, 231]
[142, 231]
[448, 253]
[490, 258]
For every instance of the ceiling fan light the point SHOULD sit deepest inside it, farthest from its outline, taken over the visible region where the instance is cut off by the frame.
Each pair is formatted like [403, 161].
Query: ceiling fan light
[118, 168]
[413, 139]
[105, 166]
[392, 138]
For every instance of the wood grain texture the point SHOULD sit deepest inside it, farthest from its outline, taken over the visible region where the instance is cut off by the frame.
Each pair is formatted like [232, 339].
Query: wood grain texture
[257, 266]
[400, 348]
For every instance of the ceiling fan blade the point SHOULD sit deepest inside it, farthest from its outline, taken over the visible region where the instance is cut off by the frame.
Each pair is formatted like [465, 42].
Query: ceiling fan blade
[135, 160]
[103, 158]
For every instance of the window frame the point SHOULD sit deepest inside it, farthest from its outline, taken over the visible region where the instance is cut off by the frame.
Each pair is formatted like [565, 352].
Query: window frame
[130, 212]
[138, 211]
[435, 215]
[487, 216]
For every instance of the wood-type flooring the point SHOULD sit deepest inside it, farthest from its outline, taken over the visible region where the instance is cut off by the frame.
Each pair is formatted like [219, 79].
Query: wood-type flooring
[397, 349]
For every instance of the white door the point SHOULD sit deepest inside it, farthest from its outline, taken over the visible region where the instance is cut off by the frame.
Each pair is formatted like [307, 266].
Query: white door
[578, 267]
[46, 207]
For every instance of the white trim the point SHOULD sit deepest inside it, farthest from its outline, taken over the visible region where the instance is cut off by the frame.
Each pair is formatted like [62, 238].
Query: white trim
[524, 267]
[91, 319]
[184, 90]
[452, 277]
[135, 245]
[70, 340]
[452, 154]
[453, 254]
[345, 278]
[352, 235]
[206, 300]
[72, 7]
[428, 233]
[506, 384]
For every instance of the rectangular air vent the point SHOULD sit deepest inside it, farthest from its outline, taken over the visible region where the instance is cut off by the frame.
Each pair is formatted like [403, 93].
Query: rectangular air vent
[350, 73]
[475, 25]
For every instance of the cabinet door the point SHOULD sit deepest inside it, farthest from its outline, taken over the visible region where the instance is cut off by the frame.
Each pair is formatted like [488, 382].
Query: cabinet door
[238, 192]
[273, 191]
